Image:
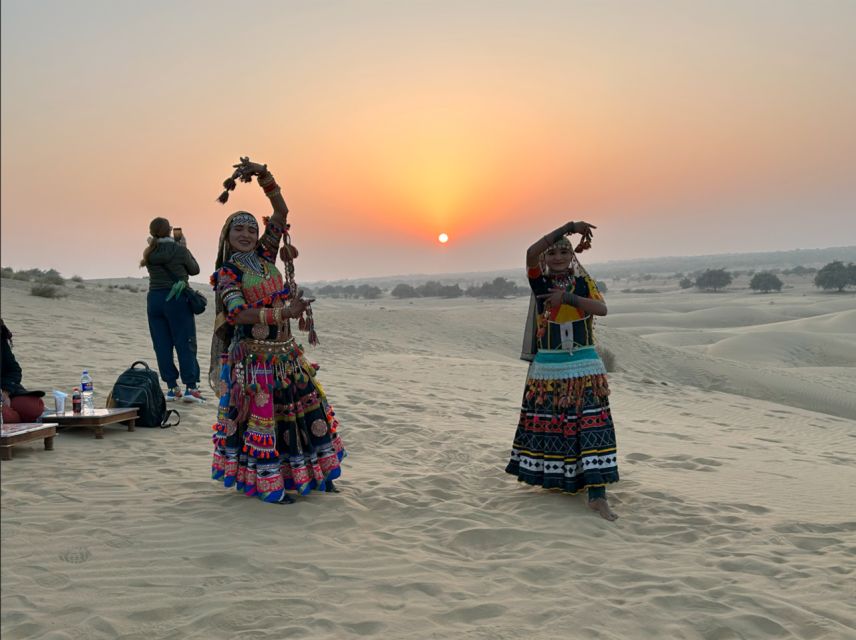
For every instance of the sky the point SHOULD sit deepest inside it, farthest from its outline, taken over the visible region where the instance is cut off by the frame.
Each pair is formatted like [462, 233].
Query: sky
[677, 127]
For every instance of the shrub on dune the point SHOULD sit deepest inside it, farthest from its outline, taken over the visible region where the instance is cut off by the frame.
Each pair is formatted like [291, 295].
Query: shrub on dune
[46, 291]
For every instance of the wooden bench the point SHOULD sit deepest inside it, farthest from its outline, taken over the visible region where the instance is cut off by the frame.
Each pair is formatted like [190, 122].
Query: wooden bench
[14, 433]
[96, 420]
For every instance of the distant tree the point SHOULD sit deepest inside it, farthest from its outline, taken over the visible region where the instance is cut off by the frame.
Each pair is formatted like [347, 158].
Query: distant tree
[498, 288]
[713, 279]
[404, 291]
[835, 275]
[430, 289]
[451, 291]
[686, 283]
[52, 276]
[765, 282]
[329, 291]
[800, 270]
[601, 286]
[369, 292]
[349, 291]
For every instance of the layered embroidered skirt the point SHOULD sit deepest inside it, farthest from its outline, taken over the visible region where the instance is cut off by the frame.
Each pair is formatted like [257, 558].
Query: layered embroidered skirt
[565, 438]
[275, 430]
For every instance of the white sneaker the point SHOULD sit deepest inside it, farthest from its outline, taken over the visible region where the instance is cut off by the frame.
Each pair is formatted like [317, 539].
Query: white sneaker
[173, 394]
[193, 395]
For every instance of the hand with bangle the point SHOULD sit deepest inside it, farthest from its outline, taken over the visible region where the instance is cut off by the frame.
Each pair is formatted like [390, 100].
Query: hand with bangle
[244, 172]
[559, 296]
[569, 228]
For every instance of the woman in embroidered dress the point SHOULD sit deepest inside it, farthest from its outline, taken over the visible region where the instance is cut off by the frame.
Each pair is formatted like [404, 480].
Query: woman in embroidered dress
[275, 430]
[565, 437]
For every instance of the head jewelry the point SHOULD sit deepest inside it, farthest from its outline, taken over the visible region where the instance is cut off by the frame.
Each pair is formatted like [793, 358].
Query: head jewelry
[244, 218]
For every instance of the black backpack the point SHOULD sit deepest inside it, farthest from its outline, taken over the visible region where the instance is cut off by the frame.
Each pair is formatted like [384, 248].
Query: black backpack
[140, 388]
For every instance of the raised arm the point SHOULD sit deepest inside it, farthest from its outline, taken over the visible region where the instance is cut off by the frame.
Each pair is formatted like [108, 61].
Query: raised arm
[244, 171]
[544, 243]
[274, 193]
[190, 263]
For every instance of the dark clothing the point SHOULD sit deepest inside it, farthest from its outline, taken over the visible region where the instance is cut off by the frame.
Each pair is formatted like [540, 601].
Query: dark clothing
[568, 325]
[174, 257]
[23, 405]
[10, 371]
[172, 326]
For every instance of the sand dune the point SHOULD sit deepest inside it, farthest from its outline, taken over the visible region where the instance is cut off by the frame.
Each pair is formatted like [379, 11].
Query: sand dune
[737, 456]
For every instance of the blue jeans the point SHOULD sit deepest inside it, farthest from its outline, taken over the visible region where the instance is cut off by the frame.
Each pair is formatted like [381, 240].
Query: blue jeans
[173, 327]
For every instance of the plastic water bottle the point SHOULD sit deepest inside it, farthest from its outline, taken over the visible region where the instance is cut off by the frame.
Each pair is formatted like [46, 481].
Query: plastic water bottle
[86, 393]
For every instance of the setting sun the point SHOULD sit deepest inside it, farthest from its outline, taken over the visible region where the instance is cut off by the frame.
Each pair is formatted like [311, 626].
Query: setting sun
[443, 238]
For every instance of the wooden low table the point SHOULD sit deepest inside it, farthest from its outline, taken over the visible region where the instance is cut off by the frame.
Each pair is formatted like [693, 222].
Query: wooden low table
[19, 432]
[96, 420]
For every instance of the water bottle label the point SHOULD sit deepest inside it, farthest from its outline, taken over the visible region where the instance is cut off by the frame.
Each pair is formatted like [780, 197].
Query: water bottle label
[86, 386]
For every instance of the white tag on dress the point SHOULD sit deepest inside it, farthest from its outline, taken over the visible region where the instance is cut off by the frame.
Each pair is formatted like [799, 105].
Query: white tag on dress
[567, 332]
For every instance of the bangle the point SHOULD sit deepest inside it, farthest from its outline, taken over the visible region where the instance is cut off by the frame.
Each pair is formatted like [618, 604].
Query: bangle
[266, 179]
[262, 316]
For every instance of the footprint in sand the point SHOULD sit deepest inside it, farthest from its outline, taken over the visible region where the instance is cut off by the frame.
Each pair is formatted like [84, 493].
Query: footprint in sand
[684, 461]
[637, 457]
[50, 579]
[473, 614]
[367, 628]
[120, 542]
[76, 555]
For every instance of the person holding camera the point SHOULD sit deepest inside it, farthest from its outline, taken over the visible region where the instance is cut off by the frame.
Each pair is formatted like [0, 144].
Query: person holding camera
[171, 322]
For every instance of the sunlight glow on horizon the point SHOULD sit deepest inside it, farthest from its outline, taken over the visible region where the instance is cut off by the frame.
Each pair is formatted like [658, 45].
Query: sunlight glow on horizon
[424, 119]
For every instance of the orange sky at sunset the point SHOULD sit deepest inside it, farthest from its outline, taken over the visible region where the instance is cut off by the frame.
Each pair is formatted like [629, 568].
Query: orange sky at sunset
[677, 128]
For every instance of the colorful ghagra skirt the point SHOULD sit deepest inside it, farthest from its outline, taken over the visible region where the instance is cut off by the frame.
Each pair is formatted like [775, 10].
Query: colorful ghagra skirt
[565, 438]
[275, 430]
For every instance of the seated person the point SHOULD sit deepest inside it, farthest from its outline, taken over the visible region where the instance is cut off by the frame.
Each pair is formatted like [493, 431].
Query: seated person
[19, 405]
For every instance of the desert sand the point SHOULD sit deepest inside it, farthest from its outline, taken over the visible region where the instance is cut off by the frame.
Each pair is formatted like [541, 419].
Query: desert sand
[736, 421]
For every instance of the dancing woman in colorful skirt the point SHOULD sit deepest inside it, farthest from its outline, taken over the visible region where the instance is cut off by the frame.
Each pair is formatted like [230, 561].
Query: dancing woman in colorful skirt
[275, 430]
[565, 438]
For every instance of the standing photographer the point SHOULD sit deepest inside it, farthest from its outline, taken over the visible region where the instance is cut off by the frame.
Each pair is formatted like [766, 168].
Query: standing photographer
[171, 322]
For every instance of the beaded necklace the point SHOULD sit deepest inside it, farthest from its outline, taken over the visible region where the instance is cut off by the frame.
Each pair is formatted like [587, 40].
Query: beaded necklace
[250, 260]
[564, 280]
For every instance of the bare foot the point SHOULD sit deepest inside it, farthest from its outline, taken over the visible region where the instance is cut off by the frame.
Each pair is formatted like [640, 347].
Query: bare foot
[601, 506]
[329, 487]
